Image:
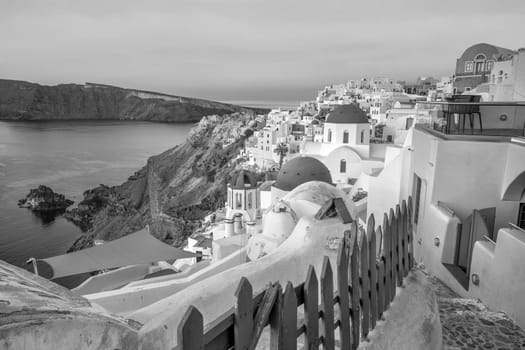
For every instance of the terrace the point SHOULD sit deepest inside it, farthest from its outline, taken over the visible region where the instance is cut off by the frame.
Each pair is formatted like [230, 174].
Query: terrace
[460, 117]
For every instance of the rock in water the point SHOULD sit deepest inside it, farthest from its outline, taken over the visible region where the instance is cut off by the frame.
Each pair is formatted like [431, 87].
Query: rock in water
[43, 199]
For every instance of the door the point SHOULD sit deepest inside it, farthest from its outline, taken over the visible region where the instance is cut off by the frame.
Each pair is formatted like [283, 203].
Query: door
[418, 192]
[473, 229]
[521, 216]
[479, 67]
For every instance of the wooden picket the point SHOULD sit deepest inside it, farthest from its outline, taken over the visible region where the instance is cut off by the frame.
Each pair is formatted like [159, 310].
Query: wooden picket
[344, 300]
[327, 305]
[370, 265]
[311, 313]
[354, 290]
[387, 257]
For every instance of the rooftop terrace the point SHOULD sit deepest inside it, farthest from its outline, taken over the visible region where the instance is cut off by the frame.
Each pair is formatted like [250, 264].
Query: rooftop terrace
[475, 118]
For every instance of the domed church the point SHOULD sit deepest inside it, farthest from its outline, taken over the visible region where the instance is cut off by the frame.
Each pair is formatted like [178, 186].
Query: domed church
[345, 149]
[298, 171]
[243, 197]
[347, 124]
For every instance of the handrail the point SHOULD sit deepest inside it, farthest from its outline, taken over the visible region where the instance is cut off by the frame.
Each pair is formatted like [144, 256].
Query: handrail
[482, 103]
[489, 239]
[516, 227]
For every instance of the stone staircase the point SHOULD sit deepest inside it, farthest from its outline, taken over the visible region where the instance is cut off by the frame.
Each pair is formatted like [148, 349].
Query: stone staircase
[468, 324]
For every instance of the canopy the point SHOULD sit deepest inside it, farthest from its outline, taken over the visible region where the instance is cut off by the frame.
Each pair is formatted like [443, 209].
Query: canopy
[136, 248]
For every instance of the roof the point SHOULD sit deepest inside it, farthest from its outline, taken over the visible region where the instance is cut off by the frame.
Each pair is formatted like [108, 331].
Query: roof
[300, 170]
[266, 185]
[136, 248]
[203, 241]
[242, 179]
[347, 114]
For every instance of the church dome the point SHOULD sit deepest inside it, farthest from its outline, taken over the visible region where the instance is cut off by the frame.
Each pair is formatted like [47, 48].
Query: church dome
[243, 179]
[299, 170]
[347, 114]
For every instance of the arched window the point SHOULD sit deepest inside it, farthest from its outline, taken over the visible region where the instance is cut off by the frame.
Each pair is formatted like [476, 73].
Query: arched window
[342, 166]
[238, 201]
[329, 135]
[480, 57]
[345, 136]
[249, 200]
[479, 63]
[362, 136]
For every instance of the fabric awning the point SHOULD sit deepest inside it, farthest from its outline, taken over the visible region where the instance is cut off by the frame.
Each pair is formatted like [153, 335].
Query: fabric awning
[136, 248]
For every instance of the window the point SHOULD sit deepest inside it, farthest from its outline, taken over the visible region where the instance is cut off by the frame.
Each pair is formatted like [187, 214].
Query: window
[345, 137]
[467, 88]
[417, 203]
[480, 57]
[250, 200]
[342, 166]
[469, 65]
[489, 65]
[329, 135]
[362, 136]
[238, 201]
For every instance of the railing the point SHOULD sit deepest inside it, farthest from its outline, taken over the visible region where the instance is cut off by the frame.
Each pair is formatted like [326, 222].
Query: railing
[366, 282]
[476, 118]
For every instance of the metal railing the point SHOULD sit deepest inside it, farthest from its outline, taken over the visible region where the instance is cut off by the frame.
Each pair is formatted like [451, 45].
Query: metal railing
[476, 118]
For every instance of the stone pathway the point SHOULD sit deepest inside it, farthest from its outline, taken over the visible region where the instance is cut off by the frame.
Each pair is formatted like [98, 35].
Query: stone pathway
[468, 324]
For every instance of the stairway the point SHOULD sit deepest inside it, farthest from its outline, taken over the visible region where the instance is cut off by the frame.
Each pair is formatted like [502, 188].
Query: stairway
[468, 324]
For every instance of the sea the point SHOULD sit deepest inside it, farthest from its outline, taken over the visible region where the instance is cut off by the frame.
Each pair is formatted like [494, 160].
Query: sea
[70, 157]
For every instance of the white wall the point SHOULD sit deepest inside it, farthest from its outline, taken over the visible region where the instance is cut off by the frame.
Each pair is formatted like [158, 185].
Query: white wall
[502, 273]
[354, 133]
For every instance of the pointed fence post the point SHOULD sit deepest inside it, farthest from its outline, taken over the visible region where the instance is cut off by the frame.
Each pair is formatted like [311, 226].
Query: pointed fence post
[276, 339]
[372, 266]
[342, 288]
[393, 229]
[327, 303]
[354, 276]
[410, 233]
[365, 285]
[191, 330]
[387, 252]
[404, 212]
[311, 309]
[289, 319]
[243, 326]
[381, 284]
[399, 226]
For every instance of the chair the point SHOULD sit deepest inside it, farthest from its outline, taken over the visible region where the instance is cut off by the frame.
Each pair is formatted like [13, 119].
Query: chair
[459, 109]
[474, 109]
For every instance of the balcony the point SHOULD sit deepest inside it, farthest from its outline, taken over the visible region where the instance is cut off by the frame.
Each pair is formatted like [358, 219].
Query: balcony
[475, 118]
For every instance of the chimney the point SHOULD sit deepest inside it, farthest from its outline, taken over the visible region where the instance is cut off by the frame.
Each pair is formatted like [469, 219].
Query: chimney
[228, 227]
[237, 224]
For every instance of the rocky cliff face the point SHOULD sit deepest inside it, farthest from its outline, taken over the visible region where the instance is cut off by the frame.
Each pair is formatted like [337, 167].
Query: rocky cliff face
[21, 100]
[173, 191]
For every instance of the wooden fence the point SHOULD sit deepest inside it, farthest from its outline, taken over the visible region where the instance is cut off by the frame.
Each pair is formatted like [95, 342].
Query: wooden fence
[370, 265]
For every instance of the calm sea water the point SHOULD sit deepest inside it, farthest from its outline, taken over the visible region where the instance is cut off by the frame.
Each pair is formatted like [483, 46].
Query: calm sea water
[69, 157]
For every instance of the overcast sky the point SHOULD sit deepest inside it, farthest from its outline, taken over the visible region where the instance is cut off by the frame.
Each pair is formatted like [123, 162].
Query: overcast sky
[245, 49]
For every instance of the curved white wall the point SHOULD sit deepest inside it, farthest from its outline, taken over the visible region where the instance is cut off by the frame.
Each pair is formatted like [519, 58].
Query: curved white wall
[307, 245]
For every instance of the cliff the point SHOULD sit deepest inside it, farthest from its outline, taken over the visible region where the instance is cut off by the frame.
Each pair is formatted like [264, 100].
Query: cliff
[173, 192]
[21, 100]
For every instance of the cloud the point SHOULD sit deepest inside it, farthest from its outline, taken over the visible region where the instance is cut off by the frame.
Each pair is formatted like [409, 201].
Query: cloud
[238, 49]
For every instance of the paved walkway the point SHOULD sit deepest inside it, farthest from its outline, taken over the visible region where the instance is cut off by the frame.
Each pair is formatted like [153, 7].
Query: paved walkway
[468, 324]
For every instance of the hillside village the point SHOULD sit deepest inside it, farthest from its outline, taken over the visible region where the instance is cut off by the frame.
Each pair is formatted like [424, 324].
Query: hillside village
[446, 154]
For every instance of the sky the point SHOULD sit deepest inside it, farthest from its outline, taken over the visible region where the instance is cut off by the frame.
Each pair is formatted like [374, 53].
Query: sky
[239, 50]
